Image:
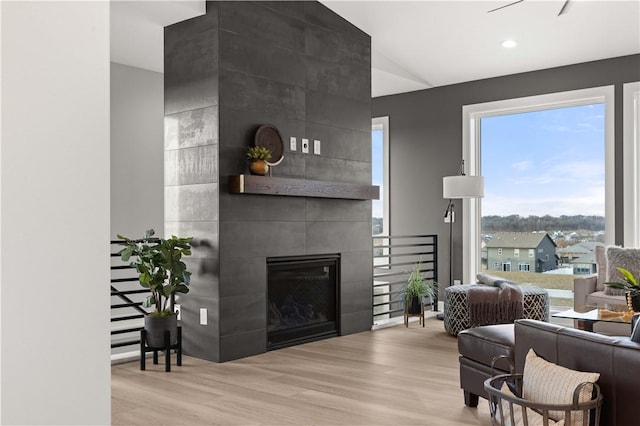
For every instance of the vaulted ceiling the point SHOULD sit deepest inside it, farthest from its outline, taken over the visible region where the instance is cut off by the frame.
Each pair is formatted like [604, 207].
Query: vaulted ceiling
[422, 44]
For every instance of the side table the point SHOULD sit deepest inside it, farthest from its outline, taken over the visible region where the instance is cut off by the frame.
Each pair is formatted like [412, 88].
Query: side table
[456, 306]
[420, 315]
[166, 349]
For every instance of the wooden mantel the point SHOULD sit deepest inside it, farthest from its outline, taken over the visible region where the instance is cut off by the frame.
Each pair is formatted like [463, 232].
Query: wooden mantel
[249, 184]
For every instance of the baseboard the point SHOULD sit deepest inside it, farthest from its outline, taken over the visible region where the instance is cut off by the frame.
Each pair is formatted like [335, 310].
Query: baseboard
[392, 322]
[126, 357]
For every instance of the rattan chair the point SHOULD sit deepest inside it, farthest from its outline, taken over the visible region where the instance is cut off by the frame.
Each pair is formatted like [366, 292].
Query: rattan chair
[509, 409]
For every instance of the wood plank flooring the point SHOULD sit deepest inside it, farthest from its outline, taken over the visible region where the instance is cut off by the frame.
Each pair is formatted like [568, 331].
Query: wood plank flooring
[392, 376]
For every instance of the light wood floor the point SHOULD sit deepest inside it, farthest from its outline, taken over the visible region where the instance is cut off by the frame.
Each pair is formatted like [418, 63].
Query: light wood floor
[393, 376]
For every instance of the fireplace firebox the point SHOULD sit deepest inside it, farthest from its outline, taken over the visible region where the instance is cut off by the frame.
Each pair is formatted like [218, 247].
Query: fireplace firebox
[302, 299]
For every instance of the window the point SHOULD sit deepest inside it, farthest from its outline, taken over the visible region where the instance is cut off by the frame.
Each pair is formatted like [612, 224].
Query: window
[474, 117]
[506, 267]
[631, 156]
[499, 252]
[496, 265]
[380, 175]
[531, 252]
[557, 161]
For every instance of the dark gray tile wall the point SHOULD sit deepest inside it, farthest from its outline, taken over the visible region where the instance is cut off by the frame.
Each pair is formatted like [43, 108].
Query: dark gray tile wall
[302, 68]
[192, 170]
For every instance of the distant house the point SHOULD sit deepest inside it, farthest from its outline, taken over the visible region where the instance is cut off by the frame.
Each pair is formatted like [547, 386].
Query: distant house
[521, 251]
[585, 265]
[581, 256]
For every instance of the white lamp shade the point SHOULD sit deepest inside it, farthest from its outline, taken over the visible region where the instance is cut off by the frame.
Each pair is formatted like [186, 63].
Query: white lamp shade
[463, 186]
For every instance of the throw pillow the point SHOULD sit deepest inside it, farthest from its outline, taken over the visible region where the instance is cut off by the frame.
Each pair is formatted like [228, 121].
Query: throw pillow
[601, 264]
[610, 291]
[533, 418]
[548, 383]
[626, 258]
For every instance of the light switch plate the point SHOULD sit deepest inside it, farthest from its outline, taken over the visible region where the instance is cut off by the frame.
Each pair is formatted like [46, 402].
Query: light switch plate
[316, 147]
[305, 146]
[203, 316]
[292, 143]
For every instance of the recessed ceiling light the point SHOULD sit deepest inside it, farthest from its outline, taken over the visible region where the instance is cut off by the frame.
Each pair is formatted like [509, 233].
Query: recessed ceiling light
[509, 44]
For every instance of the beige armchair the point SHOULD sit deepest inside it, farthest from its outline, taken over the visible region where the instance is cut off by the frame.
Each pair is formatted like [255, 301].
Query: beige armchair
[589, 290]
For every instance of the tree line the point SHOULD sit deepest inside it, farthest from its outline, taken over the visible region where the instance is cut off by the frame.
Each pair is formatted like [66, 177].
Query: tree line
[517, 223]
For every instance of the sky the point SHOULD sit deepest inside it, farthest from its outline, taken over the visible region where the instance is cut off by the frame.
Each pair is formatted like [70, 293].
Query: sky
[547, 162]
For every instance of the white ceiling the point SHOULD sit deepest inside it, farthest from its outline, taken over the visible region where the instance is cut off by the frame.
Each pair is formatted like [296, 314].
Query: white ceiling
[137, 29]
[422, 44]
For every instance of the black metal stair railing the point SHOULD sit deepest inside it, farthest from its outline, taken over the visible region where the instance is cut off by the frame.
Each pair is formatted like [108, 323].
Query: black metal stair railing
[126, 306]
[393, 259]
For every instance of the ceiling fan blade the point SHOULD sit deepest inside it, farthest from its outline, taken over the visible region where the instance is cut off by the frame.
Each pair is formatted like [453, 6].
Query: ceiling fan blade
[564, 8]
[506, 5]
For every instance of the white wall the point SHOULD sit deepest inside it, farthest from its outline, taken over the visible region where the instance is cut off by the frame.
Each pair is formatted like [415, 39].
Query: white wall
[137, 151]
[54, 242]
[137, 159]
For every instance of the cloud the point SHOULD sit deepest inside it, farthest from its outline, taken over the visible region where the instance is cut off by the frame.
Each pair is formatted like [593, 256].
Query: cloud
[563, 173]
[556, 128]
[555, 188]
[589, 201]
[579, 119]
[585, 127]
[522, 165]
[580, 127]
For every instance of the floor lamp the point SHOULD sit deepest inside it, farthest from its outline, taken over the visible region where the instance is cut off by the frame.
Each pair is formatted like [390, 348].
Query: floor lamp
[457, 187]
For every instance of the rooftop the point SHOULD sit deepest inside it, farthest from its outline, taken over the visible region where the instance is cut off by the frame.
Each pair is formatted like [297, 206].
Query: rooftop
[517, 239]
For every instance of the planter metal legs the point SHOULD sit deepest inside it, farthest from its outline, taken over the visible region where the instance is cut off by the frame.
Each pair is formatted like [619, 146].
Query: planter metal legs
[166, 349]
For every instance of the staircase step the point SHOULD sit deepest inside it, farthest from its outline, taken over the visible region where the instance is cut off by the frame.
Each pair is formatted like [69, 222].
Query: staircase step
[125, 343]
[126, 330]
[128, 317]
[117, 292]
[126, 305]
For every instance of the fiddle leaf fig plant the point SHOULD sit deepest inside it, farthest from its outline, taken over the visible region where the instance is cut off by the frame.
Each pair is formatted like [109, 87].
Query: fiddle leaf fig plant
[160, 267]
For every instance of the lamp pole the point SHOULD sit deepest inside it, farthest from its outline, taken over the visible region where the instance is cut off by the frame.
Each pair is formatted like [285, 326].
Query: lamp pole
[455, 187]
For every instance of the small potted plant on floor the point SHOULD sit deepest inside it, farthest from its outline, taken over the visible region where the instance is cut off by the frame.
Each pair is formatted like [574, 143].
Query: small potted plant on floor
[415, 289]
[631, 285]
[259, 155]
[161, 271]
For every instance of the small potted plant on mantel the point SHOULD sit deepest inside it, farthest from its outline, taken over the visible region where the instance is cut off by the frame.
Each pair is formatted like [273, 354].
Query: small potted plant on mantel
[259, 155]
[161, 271]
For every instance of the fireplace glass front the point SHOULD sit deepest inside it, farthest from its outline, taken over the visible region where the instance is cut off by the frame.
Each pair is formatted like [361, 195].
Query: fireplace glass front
[302, 302]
